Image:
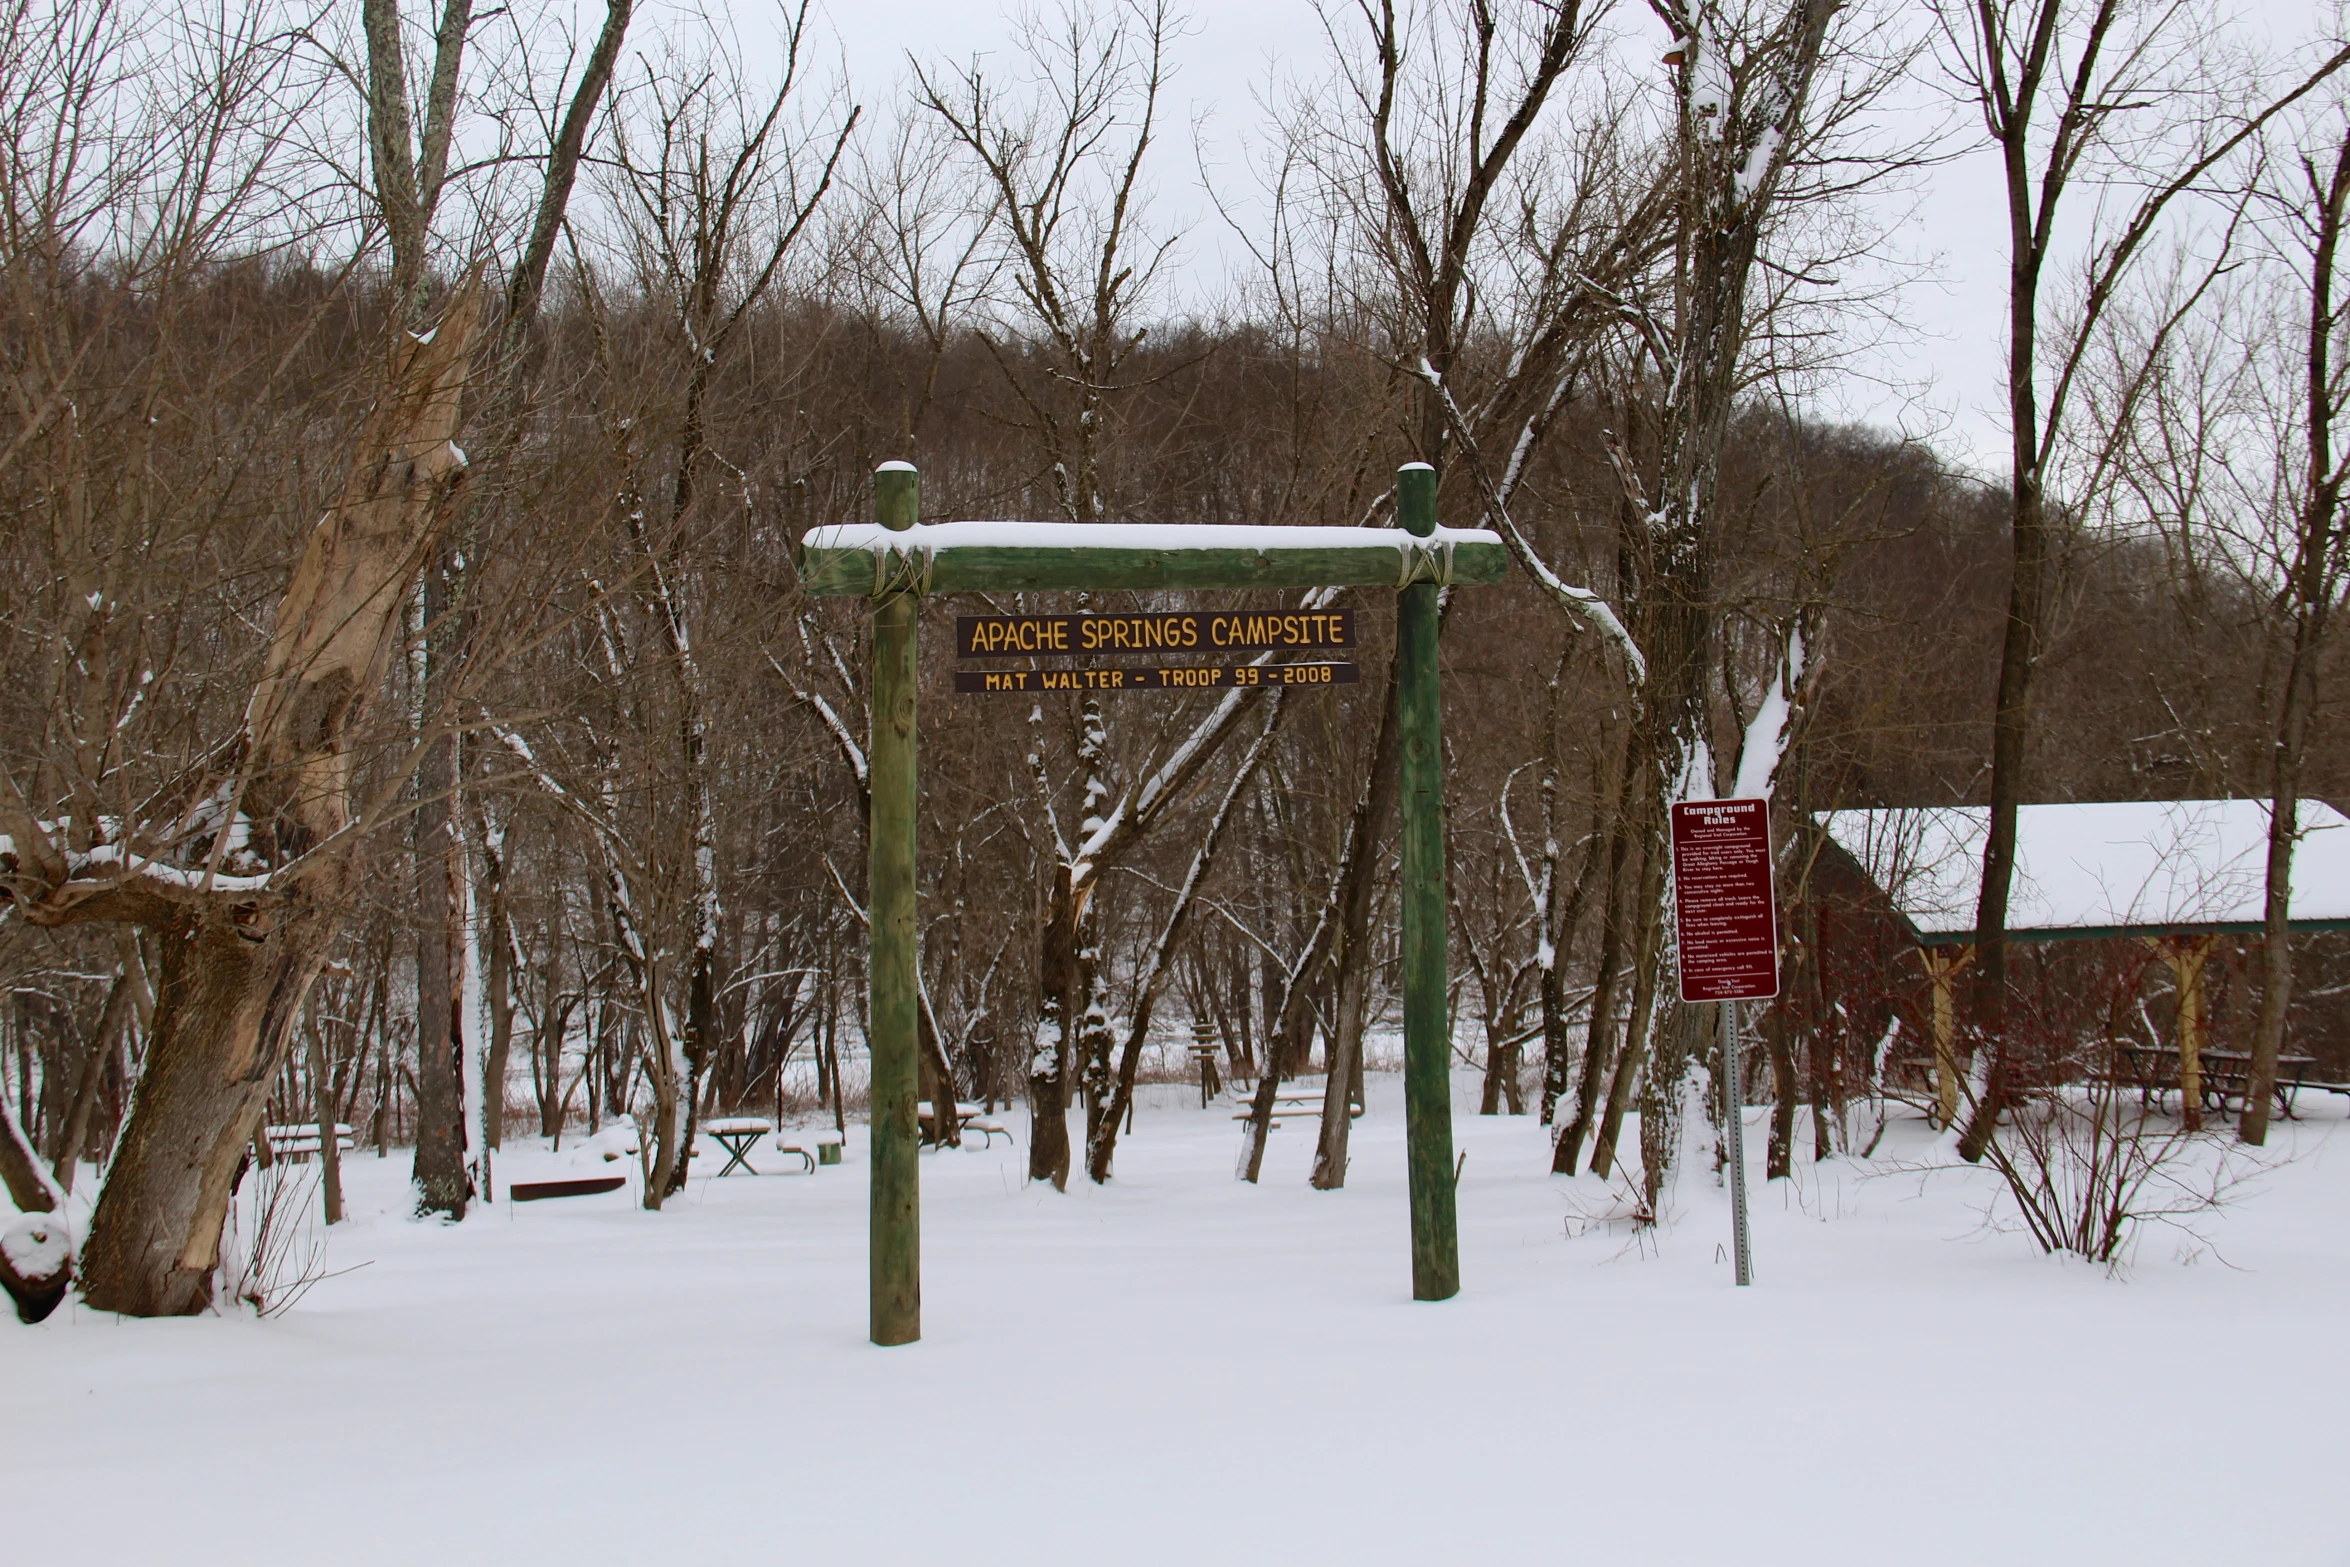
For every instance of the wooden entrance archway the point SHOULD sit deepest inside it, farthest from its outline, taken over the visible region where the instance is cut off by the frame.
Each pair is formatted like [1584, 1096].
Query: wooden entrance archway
[897, 560]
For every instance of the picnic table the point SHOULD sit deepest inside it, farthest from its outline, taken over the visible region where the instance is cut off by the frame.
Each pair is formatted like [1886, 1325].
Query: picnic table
[970, 1119]
[739, 1134]
[2227, 1074]
[1288, 1104]
[298, 1140]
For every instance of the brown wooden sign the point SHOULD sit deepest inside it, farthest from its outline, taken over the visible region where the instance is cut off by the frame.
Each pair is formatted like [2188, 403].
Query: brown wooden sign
[1187, 631]
[1131, 677]
[1723, 902]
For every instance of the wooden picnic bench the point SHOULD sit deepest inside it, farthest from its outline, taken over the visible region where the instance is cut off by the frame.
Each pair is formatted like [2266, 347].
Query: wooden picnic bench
[1288, 1104]
[970, 1120]
[739, 1134]
[576, 1186]
[300, 1140]
[2154, 1070]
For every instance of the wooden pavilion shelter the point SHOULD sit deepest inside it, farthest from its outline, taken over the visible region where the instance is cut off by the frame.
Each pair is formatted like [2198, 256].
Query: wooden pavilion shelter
[2176, 874]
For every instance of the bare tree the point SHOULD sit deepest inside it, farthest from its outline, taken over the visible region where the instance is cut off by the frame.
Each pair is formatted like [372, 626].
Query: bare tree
[2075, 97]
[243, 858]
[1477, 216]
[246, 878]
[410, 161]
[2308, 549]
[716, 191]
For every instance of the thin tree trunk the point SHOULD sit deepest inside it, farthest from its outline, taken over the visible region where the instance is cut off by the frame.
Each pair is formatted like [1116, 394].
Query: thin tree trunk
[2010, 734]
[442, 1186]
[1599, 1035]
[1104, 1145]
[498, 937]
[1639, 1036]
[120, 1007]
[939, 1073]
[330, 1142]
[1356, 890]
[1056, 1029]
[29, 1184]
[2310, 592]
[1779, 1164]
[1661, 1101]
[1344, 1088]
[1258, 1129]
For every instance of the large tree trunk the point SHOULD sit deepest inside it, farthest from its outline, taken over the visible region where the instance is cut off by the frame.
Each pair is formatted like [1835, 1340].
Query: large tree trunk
[237, 963]
[226, 1013]
[2276, 953]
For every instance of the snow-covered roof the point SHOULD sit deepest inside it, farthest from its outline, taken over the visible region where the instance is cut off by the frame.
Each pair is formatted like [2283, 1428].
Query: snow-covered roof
[2109, 868]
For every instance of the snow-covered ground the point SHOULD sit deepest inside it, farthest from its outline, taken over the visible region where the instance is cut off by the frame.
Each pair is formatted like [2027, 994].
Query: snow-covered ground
[1183, 1369]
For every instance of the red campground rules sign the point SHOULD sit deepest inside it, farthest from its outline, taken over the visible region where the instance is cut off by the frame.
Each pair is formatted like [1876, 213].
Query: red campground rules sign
[1722, 900]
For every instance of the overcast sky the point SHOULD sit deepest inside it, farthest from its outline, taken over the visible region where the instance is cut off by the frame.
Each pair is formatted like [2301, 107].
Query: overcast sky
[1935, 373]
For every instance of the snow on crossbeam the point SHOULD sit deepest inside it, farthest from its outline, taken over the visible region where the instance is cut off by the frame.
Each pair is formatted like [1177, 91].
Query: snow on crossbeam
[868, 560]
[2109, 868]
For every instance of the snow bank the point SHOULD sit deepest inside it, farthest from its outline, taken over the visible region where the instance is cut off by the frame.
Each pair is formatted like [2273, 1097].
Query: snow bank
[37, 1245]
[1205, 1372]
[617, 1140]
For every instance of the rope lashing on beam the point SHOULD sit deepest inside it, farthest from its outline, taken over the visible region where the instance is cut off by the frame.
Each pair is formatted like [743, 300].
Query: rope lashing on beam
[901, 570]
[1424, 560]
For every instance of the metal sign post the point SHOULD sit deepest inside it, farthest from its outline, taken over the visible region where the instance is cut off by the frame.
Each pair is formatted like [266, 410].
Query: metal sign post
[1734, 1123]
[1726, 915]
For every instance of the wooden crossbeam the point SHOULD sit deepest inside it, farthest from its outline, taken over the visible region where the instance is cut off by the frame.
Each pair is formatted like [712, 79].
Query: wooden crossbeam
[866, 560]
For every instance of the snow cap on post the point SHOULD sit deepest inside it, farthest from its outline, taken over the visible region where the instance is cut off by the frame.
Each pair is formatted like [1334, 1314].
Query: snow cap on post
[896, 496]
[1415, 498]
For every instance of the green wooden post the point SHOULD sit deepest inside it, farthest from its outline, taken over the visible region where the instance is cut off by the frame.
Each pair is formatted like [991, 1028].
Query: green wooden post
[896, 1217]
[1427, 1052]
